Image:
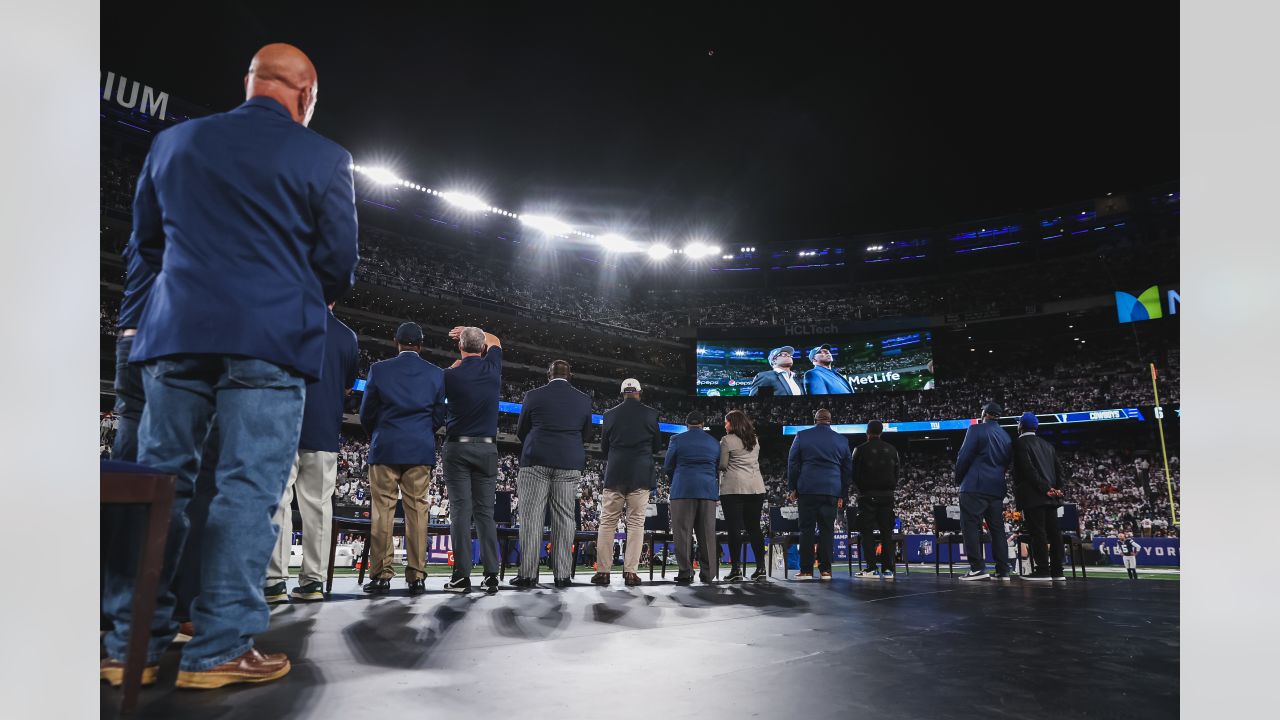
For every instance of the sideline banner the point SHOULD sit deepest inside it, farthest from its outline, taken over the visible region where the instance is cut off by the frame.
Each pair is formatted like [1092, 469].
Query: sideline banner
[1155, 551]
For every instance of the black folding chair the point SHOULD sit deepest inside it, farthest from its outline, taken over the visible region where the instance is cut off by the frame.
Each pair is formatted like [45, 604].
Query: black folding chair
[506, 533]
[946, 531]
[1069, 523]
[657, 528]
[785, 529]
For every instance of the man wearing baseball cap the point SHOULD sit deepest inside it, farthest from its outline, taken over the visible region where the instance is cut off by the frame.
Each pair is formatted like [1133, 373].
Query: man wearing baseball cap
[980, 467]
[402, 407]
[780, 380]
[823, 379]
[629, 440]
[1037, 486]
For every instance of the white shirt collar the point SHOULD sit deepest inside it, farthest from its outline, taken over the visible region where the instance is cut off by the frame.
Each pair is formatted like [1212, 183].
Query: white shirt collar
[411, 352]
[1026, 434]
[560, 379]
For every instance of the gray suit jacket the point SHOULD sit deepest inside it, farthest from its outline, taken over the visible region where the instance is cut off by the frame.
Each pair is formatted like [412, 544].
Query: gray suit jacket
[739, 467]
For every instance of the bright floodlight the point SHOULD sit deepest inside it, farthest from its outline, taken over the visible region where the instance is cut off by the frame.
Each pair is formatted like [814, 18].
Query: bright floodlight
[658, 251]
[618, 244]
[550, 226]
[697, 250]
[466, 202]
[382, 176]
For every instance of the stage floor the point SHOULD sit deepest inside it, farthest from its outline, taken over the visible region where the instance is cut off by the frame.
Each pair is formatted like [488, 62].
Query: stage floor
[916, 647]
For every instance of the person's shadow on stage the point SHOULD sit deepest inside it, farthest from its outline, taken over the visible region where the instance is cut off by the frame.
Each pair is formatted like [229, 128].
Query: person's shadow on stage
[392, 634]
[530, 616]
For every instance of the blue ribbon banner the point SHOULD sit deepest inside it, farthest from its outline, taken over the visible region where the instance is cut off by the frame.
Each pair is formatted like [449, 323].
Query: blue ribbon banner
[941, 425]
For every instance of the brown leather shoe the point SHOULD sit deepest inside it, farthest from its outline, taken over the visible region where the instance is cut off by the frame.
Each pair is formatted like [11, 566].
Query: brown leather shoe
[186, 631]
[113, 672]
[251, 667]
[600, 579]
[631, 579]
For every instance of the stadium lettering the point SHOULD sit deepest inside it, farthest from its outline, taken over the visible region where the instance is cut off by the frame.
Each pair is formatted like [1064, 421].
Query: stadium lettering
[1104, 415]
[876, 378]
[810, 329]
[154, 103]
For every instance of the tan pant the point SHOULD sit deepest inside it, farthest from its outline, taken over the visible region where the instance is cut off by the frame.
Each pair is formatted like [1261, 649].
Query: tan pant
[313, 476]
[412, 480]
[612, 504]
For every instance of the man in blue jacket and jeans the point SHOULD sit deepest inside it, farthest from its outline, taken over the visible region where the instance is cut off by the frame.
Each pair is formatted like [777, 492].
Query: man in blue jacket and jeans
[980, 468]
[692, 461]
[819, 472]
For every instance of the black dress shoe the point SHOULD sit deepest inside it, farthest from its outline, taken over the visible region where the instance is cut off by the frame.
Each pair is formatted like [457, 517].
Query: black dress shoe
[523, 583]
[417, 587]
[563, 583]
[684, 579]
[378, 586]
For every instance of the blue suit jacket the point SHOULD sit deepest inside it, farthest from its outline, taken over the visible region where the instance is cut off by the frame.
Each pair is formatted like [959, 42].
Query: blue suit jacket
[984, 457]
[823, 381]
[692, 460]
[402, 407]
[249, 221]
[768, 383]
[137, 287]
[820, 463]
[555, 421]
[322, 413]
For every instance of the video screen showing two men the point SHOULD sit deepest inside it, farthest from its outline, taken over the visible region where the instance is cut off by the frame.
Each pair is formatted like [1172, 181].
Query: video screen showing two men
[840, 365]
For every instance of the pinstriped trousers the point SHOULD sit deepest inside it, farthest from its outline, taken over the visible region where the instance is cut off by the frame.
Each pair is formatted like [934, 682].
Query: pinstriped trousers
[537, 485]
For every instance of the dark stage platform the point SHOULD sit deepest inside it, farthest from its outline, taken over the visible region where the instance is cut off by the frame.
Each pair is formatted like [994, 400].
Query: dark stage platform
[917, 647]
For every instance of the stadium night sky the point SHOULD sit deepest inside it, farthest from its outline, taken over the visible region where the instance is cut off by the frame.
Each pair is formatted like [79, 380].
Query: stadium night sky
[739, 124]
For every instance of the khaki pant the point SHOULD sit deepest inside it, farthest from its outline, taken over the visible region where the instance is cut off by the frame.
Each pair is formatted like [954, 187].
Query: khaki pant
[412, 480]
[313, 476]
[612, 504]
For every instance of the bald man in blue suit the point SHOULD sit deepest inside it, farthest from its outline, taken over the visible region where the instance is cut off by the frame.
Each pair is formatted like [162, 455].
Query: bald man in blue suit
[248, 220]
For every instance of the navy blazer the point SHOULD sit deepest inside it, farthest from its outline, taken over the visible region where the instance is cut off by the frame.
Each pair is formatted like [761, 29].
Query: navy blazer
[402, 407]
[137, 286]
[984, 457]
[249, 221]
[322, 413]
[825, 381]
[768, 383]
[555, 421]
[629, 440]
[693, 457]
[820, 463]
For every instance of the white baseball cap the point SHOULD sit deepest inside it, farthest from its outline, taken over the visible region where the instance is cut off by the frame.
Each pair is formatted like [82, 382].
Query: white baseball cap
[631, 385]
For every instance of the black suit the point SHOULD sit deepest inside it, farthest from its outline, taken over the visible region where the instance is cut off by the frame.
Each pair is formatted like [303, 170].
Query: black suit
[875, 475]
[769, 382]
[1036, 469]
[555, 421]
[630, 440]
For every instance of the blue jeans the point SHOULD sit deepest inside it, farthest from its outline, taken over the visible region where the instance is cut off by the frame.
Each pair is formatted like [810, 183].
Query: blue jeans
[259, 411]
[129, 403]
[974, 508]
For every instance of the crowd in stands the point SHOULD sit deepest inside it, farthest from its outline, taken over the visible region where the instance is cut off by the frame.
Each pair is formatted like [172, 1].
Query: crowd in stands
[450, 264]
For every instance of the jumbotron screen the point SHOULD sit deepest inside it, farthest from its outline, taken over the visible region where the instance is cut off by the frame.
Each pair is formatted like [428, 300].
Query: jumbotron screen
[820, 365]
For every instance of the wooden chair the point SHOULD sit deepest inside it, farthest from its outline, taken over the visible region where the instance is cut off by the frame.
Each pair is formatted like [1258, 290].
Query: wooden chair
[125, 483]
